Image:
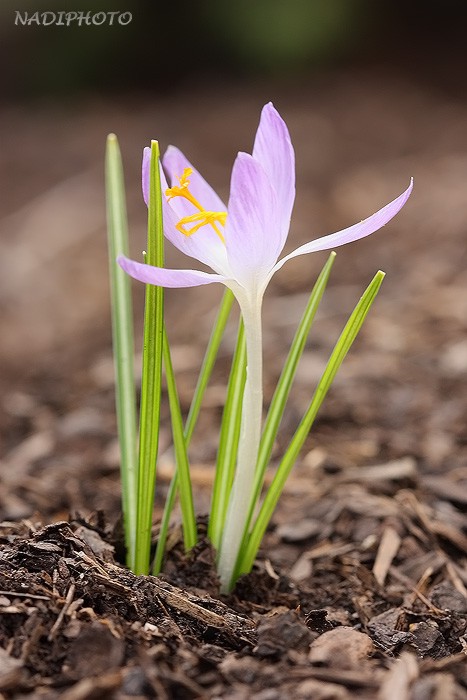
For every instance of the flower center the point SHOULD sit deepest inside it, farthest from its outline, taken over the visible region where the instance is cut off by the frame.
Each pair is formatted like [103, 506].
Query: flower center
[199, 218]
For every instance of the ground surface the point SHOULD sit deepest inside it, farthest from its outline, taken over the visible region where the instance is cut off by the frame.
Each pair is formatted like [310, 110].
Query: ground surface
[360, 589]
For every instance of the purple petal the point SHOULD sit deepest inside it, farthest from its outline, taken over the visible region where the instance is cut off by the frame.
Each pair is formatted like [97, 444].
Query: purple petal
[252, 233]
[204, 245]
[274, 150]
[352, 233]
[174, 163]
[145, 173]
[162, 277]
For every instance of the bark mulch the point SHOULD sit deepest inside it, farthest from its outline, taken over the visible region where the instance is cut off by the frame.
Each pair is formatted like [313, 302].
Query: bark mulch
[373, 605]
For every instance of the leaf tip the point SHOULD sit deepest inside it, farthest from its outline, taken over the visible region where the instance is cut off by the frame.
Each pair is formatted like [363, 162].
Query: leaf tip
[155, 148]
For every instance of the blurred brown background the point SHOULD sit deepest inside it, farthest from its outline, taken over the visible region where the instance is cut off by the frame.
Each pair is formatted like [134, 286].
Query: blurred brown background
[373, 93]
[363, 86]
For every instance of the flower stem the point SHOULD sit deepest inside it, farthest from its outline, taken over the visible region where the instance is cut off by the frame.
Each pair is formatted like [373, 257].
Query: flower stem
[250, 434]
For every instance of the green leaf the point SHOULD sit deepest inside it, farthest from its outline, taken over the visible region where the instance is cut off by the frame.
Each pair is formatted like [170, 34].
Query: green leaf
[181, 457]
[284, 385]
[341, 348]
[228, 441]
[164, 527]
[151, 373]
[123, 342]
[203, 380]
[210, 357]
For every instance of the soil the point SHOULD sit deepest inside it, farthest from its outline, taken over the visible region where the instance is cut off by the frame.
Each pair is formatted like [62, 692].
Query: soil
[359, 590]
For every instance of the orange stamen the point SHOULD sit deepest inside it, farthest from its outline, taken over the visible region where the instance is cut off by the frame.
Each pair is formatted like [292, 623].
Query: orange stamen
[199, 218]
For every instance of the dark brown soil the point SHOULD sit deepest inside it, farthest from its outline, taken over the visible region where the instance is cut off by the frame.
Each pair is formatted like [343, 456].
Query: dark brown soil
[360, 587]
[76, 624]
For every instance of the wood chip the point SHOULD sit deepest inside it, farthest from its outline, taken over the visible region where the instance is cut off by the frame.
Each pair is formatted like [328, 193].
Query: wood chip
[329, 549]
[314, 688]
[404, 468]
[20, 459]
[10, 670]
[387, 550]
[350, 678]
[450, 490]
[98, 686]
[302, 569]
[450, 533]
[396, 685]
[343, 647]
[299, 531]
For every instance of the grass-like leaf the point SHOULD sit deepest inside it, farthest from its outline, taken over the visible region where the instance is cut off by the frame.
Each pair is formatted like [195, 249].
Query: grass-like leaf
[203, 380]
[123, 341]
[341, 348]
[228, 441]
[181, 457]
[210, 357]
[284, 385]
[151, 373]
[165, 523]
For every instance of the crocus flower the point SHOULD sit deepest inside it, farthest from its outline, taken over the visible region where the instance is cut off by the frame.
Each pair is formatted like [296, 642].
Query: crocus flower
[242, 244]
[243, 241]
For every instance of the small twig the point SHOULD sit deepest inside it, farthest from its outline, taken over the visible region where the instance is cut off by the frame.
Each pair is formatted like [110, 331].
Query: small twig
[420, 586]
[407, 582]
[93, 563]
[189, 608]
[119, 588]
[270, 570]
[24, 595]
[59, 620]
[455, 578]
